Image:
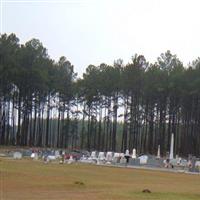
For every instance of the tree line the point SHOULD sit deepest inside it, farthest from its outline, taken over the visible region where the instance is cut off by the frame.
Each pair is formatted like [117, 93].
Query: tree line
[111, 107]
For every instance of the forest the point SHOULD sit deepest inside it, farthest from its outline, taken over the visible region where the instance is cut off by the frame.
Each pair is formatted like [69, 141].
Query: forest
[44, 103]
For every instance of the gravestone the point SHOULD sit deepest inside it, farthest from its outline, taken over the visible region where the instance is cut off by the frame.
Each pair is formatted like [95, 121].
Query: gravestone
[93, 155]
[71, 160]
[123, 160]
[17, 155]
[197, 166]
[109, 156]
[57, 154]
[26, 153]
[116, 155]
[192, 162]
[116, 158]
[127, 156]
[51, 158]
[101, 156]
[171, 155]
[85, 159]
[143, 159]
[158, 153]
[134, 154]
[155, 162]
[2, 155]
[179, 161]
[134, 161]
[127, 153]
[34, 156]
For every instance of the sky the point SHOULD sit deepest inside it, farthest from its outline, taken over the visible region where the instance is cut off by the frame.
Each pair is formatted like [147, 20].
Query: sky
[96, 31]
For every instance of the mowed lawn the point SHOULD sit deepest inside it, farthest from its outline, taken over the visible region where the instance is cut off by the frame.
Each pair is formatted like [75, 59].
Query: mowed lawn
[28, 180]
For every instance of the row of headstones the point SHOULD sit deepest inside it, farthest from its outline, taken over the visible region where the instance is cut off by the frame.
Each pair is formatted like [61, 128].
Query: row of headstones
[112, 156]
[192, 164]
[53, 154]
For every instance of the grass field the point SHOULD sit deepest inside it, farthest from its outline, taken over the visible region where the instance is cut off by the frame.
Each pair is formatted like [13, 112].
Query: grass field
[34, 180]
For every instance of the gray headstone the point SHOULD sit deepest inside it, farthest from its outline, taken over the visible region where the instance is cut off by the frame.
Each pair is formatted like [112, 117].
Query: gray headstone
[135, 161]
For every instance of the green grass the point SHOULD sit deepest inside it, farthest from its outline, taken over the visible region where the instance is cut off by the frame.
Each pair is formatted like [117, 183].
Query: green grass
[31, 180]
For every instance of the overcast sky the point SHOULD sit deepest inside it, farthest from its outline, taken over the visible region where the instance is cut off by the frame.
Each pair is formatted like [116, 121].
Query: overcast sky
[96, 31]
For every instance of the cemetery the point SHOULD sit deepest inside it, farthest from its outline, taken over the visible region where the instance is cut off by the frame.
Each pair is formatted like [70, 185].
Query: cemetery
[169, 162]
[99, 100]
[29, 178]
[73, 174]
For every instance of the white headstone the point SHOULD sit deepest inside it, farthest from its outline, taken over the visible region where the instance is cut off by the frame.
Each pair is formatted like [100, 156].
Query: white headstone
[34, 156]
[57, 154]
[93, 155]
[134, 154]
[171, 155]
[127, 153]
[101, 156]
[83, 157]
[179, 161]
[143, 159]
[116, 155]
[197, 164]
[109, 156]
[158, 153]
[71, 160]
[17, 155]
[121, 155]
[51, 157]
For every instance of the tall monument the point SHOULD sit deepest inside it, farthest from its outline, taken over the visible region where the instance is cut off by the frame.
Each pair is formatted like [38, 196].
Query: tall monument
[158, 153]
[171, 155]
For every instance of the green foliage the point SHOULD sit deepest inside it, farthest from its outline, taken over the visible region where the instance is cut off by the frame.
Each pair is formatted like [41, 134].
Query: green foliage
[150, 100]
